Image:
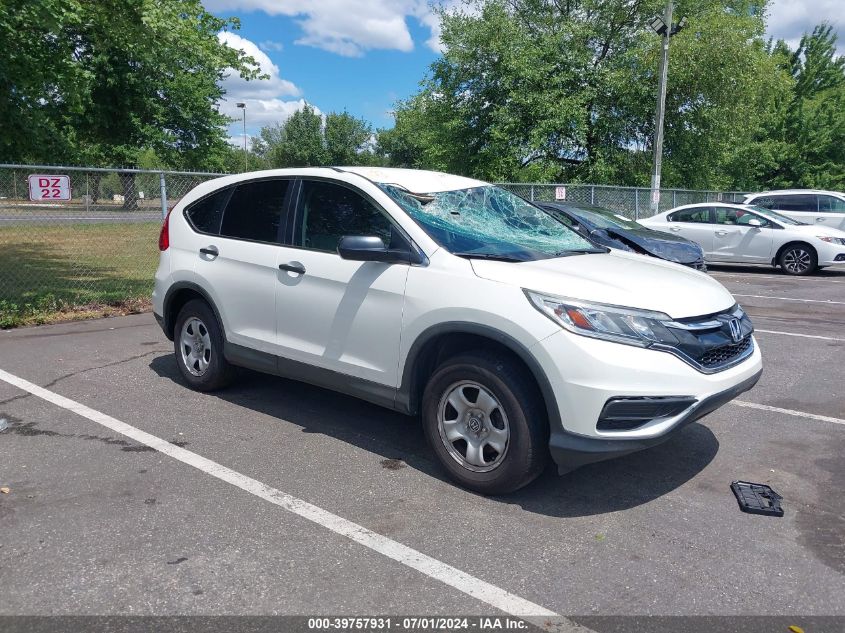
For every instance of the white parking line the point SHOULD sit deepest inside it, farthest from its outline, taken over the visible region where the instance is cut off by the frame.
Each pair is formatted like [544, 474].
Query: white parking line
[753, 276]
[431, 567]
[842, 303]
[823, 338]
[800, 414]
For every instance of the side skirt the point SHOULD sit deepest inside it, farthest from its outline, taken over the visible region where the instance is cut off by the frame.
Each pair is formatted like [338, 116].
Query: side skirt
[376, 393]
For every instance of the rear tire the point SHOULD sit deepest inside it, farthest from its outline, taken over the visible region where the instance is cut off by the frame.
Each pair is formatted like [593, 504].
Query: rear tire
[486, 422]
[798, 259]
[198, 344]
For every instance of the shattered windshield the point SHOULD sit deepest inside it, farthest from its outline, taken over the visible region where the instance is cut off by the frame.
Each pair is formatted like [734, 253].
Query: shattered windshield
[605, 219]
[488, 221]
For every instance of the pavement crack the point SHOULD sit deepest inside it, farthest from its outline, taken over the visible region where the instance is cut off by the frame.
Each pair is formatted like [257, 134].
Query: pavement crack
[79, 372]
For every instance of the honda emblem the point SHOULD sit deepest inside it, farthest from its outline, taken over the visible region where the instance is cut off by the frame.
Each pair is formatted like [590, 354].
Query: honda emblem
[736, 330]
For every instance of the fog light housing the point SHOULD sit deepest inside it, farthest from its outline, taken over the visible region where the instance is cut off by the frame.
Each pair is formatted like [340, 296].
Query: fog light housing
[626, 413]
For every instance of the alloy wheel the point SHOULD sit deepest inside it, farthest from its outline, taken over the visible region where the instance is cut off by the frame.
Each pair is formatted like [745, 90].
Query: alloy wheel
[195, 344]
[797, 260]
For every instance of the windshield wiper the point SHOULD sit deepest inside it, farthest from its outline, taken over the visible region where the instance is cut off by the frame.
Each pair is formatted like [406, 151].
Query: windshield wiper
[581, 251]
[501, 258]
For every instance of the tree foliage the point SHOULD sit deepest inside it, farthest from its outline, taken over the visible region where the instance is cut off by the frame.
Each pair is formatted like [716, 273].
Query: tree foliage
[547, 89]
[306, 140]
[809, 131]
[101, 81]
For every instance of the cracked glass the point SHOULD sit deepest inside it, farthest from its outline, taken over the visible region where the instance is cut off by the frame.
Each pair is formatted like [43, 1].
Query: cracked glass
[489, 221]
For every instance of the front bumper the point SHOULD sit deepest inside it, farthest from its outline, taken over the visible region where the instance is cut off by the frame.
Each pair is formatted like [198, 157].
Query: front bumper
[585, 374]
[571, 451]
[831, 254]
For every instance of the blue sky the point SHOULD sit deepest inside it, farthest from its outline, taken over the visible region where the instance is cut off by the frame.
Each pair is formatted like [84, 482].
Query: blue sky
[355, 55]
[363, 55]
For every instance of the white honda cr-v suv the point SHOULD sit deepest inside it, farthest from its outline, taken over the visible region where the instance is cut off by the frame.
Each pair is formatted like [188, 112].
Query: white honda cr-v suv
[513, 337]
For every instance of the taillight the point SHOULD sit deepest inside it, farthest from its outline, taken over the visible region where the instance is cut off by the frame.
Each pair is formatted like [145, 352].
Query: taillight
[164, 236]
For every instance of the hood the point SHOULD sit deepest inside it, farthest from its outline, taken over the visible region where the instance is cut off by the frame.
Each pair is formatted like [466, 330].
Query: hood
[673, 248]
[617, 278]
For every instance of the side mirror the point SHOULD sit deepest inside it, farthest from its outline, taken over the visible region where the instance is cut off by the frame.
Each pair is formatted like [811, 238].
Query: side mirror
[369, 248]
[755, 222]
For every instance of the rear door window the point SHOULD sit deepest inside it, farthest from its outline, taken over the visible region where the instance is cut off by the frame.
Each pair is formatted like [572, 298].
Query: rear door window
[796, 202]
[255, 211]
[699, 215]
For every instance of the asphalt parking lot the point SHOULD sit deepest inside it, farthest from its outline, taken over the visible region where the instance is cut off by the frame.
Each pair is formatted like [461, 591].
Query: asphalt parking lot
[98, 521]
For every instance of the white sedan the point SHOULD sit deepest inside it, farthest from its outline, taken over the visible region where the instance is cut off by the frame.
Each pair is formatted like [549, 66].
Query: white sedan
[739, 233]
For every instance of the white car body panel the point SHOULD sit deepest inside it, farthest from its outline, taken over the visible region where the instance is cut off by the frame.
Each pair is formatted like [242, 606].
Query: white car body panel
[241, 281]
[595, 278]
[361, 320]
[827, 219]
[748, 244]
[340, 315]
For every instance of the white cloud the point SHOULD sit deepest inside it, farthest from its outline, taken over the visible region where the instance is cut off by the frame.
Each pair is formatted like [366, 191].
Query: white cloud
[349, 27]
[264, 98]
[270, 45]
[238, 89]
[261, 112]
[790, 19]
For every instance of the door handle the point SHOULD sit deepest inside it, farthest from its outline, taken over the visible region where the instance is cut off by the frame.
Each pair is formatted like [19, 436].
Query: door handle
[721, 232]
[211, 251]
[674, 228]
[299, 269]
[820, 219]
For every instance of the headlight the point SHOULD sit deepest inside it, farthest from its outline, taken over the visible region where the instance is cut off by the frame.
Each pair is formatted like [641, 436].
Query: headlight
[630, 326]
[832, 240]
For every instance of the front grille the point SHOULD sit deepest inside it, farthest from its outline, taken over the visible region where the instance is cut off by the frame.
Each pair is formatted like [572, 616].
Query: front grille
[707, 342]
[726, 353]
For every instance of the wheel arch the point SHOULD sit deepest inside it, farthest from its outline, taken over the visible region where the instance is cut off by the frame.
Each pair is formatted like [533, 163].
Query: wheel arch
[776, 259]
[445, 340]
[177, 296]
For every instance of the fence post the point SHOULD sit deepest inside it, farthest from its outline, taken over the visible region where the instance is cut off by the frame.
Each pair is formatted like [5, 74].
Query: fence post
[87, 195]
[636, 204]
[532, 193]
[674, 198]
[163, 189]
[592, 194]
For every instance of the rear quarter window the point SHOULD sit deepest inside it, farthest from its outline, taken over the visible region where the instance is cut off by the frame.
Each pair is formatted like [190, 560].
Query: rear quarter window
[205, 214]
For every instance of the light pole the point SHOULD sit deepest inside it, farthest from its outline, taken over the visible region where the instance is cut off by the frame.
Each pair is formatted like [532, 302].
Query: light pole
[242, 106]
[663, 27]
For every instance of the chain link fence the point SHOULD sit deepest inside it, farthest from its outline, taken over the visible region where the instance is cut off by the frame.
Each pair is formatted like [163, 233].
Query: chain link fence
[77, 239]
[632, 202]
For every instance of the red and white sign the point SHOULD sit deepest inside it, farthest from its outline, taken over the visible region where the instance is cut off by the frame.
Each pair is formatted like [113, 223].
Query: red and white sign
[42, 187]
[560, 193]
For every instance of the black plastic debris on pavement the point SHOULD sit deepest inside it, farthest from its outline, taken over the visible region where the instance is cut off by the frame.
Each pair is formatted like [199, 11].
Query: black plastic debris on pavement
[757, 498]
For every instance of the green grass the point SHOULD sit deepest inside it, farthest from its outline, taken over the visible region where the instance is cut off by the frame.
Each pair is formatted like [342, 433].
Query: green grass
[70, 271]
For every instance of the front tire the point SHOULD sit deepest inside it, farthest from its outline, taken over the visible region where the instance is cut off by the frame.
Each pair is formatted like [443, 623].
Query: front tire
[799, 259]
[198, 344]
[486, 423]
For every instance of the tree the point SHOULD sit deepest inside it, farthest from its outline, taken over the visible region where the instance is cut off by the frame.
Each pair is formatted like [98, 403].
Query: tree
[566, 90]
[304, 140]
[347, 137]
[101, 81]
[298, 142]
[810, 131]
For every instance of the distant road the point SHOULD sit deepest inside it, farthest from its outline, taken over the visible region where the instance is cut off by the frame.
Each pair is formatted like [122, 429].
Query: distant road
[52, 214]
